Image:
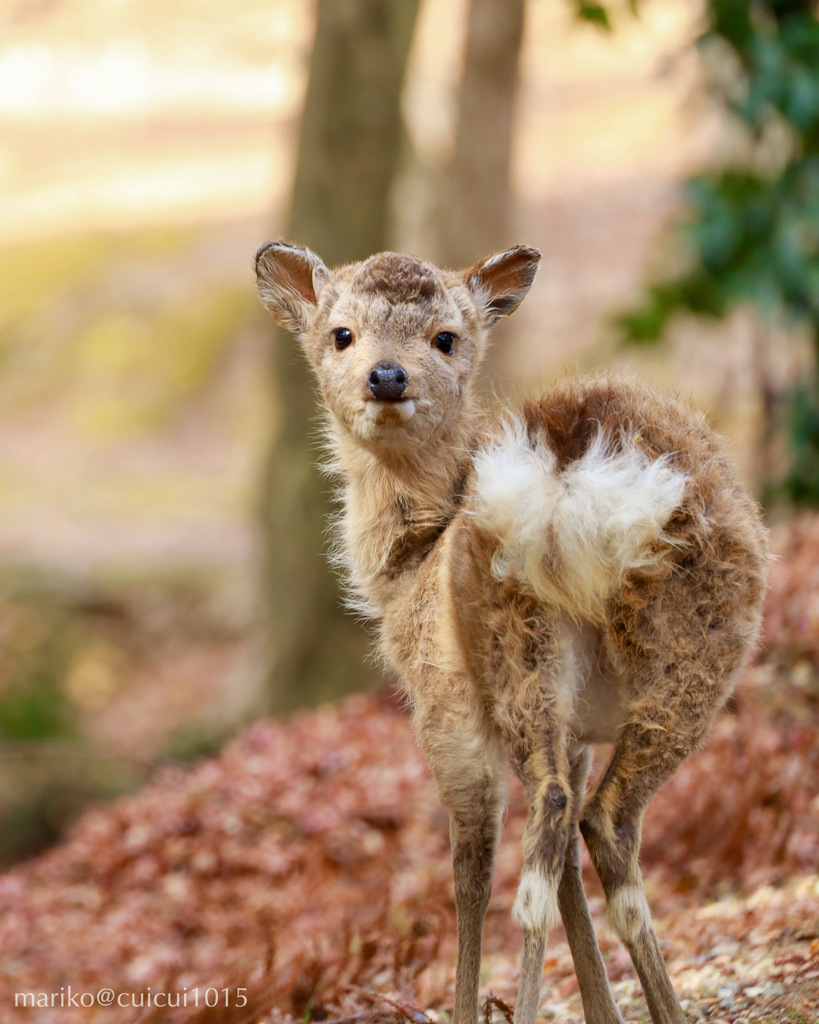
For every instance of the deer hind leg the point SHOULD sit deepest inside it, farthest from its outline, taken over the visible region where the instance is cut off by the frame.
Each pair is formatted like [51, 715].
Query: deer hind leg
[534, 698]
[678, 684]
[598, 1002]
[536, 909]
[611, 827]
[465, 757]
[681, 641]
[644, 758]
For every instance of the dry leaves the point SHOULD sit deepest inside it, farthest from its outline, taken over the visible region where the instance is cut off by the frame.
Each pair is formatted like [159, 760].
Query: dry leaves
[309, 866]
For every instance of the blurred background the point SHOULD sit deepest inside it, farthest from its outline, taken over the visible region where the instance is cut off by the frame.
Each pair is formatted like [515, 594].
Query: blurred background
[161, 523]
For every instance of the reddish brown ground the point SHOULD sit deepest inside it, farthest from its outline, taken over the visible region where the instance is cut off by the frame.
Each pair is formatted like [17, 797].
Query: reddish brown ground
[308, 864]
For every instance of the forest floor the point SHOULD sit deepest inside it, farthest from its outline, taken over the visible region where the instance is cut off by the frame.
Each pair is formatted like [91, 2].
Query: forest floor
[306, 870]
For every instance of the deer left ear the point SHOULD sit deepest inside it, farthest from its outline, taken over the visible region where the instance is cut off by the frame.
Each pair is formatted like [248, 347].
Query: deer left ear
[500, 282]
[289, 279]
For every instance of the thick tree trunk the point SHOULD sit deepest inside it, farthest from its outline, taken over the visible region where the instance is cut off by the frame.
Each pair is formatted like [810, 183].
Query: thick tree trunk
[349, 150]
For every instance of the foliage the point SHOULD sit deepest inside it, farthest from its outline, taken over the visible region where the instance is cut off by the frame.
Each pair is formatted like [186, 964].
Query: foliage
[598, 14]
[37, 642]
[109, 332]
[752, 231]
[595, 14]
[803, 479]
[99, 681]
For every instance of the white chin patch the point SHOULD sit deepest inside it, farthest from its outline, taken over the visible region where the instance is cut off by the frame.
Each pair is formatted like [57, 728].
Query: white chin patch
[390, 413]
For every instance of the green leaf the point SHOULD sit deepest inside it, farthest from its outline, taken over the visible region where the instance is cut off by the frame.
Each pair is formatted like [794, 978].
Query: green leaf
[802, 483]
[594, 13]
[645, 324]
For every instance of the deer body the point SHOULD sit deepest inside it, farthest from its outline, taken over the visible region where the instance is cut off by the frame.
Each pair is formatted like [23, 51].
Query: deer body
[582, 569]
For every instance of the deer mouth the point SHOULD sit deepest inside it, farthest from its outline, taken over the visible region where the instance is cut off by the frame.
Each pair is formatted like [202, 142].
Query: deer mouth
[390, 412]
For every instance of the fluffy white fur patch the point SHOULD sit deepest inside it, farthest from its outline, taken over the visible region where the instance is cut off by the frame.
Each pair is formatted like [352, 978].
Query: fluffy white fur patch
[628, 913]
[536, 906]
[572, 534]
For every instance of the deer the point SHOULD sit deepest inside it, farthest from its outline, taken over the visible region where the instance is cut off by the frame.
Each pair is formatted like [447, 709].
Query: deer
[577, 569]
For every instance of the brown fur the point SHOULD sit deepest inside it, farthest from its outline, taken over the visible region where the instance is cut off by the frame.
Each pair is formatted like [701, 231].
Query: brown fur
[469, 574]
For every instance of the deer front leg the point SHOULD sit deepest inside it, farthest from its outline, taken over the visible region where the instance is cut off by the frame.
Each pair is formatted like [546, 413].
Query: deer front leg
[464, 756]
[474, 830]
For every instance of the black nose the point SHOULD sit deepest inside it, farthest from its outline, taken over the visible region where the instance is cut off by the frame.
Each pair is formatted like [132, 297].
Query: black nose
[387, 381]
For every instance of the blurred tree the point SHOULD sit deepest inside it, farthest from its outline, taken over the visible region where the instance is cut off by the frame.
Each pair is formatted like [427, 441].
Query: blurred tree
[474, 215]
[351, 136]
[463, 209]
[752, 230]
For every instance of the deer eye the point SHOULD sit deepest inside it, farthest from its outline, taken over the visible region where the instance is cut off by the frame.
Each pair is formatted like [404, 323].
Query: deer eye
[343, 336]
[444, 342]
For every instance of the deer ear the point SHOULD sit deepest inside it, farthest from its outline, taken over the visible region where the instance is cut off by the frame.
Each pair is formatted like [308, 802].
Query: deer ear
[289, 279]
[499, 283]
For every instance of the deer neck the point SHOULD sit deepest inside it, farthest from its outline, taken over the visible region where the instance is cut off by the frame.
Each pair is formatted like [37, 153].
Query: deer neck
[396, 505]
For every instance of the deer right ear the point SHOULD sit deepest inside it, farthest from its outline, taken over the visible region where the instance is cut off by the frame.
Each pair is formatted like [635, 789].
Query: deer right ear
[500, 282]
[289, 279]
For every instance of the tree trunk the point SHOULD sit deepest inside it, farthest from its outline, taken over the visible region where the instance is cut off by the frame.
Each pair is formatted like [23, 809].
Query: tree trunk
[476, 208]
[348, 153]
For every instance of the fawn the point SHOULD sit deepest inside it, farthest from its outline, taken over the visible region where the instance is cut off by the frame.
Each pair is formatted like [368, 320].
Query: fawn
[584, 568]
